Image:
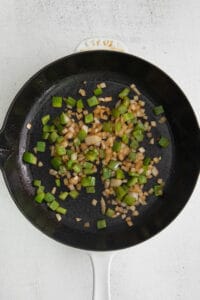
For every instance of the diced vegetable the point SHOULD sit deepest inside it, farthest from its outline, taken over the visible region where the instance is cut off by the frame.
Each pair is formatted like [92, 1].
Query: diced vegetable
[128, 116]
[125, 139]
[74, 194]
[82, 135]
[89, 118]
[61, 210]
[117, 146]
[158, 190]
[93, 101]
[163, 142]
[113, 164]
[138, 134]
[64, 119]
[41, 146]
[56, 162]
[134, 144]
[124, 93]
[98, 91]
[71, 102]
[107, 127]
[88, 181]
[40, 189]
[49, 197]
[119, 174]
[45, 119]
[30, 158]
[106, 173]
[129, 200]
[53, 205]
[147, 161]
[158, 110]
[56, 101]
[101, 224]
[63, 195]
[76, 167]
[132, 181]
[118, 127]
[132, 156]
[45, 135]
[58, 182]
[36, 183]
[53, 137]
[90, 190]
[79, 104]
[120, 192]
[91, 155]
[39, 197]
[110, 213]
[60, 150]
[142, 179]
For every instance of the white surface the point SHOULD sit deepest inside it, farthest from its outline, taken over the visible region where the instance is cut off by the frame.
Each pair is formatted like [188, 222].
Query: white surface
[32, 34]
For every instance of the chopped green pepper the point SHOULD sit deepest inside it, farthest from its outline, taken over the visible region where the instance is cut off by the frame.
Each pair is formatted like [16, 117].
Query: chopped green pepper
[45, 119]
[120, 192]
[88, 181]
[36, 183]
[118, 127]
[58, 182]
[147, 161]
[129, 200]
[134, 144]
[39, 197]
[116, 146]
[74, 194]
[49, 197]
[107, 126]
[40, 189]
[63, 195]
[158, 190]
[64, 119]
[110, 213]
[106, 173]
[98, 91]
[69, 164]
[30, 158]
[71, 102]
[128, 116]
[101, 224]
[125, 139]
[158, 110]
[119, 174]
[45, 135]
[113, 165]
[61, 210]
[89, 118]
[53, 137]
[79, 104]
[163, 142]
[60, 150]
[76, 167]
[56, 162]
[142, 179]
[82, 135]
[93, 101]
[92, 155]
[90, 189]
[56, 101]
[124, 93]
[132, 156]
[41, 146]
[132, 181]
[53, 205]
[138, 134]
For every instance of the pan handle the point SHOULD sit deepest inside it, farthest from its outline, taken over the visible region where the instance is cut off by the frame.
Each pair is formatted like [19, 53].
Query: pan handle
[101, 44]
[4, 150]
[101, 262]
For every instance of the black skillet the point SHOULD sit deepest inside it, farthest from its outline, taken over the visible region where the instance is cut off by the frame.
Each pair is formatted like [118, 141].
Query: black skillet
[179, 167]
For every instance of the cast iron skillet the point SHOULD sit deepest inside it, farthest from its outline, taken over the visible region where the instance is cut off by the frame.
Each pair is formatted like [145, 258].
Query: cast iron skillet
[179, 167]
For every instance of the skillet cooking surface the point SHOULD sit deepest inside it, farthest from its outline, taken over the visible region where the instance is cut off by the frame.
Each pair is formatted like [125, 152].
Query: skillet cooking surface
[179, 165]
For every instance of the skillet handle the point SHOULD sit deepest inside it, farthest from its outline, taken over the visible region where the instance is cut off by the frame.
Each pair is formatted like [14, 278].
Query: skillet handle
[4, 150]
[101, 274]
[101, 44]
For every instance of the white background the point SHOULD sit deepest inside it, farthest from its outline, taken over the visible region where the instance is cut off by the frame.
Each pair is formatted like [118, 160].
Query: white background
[34, 33]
